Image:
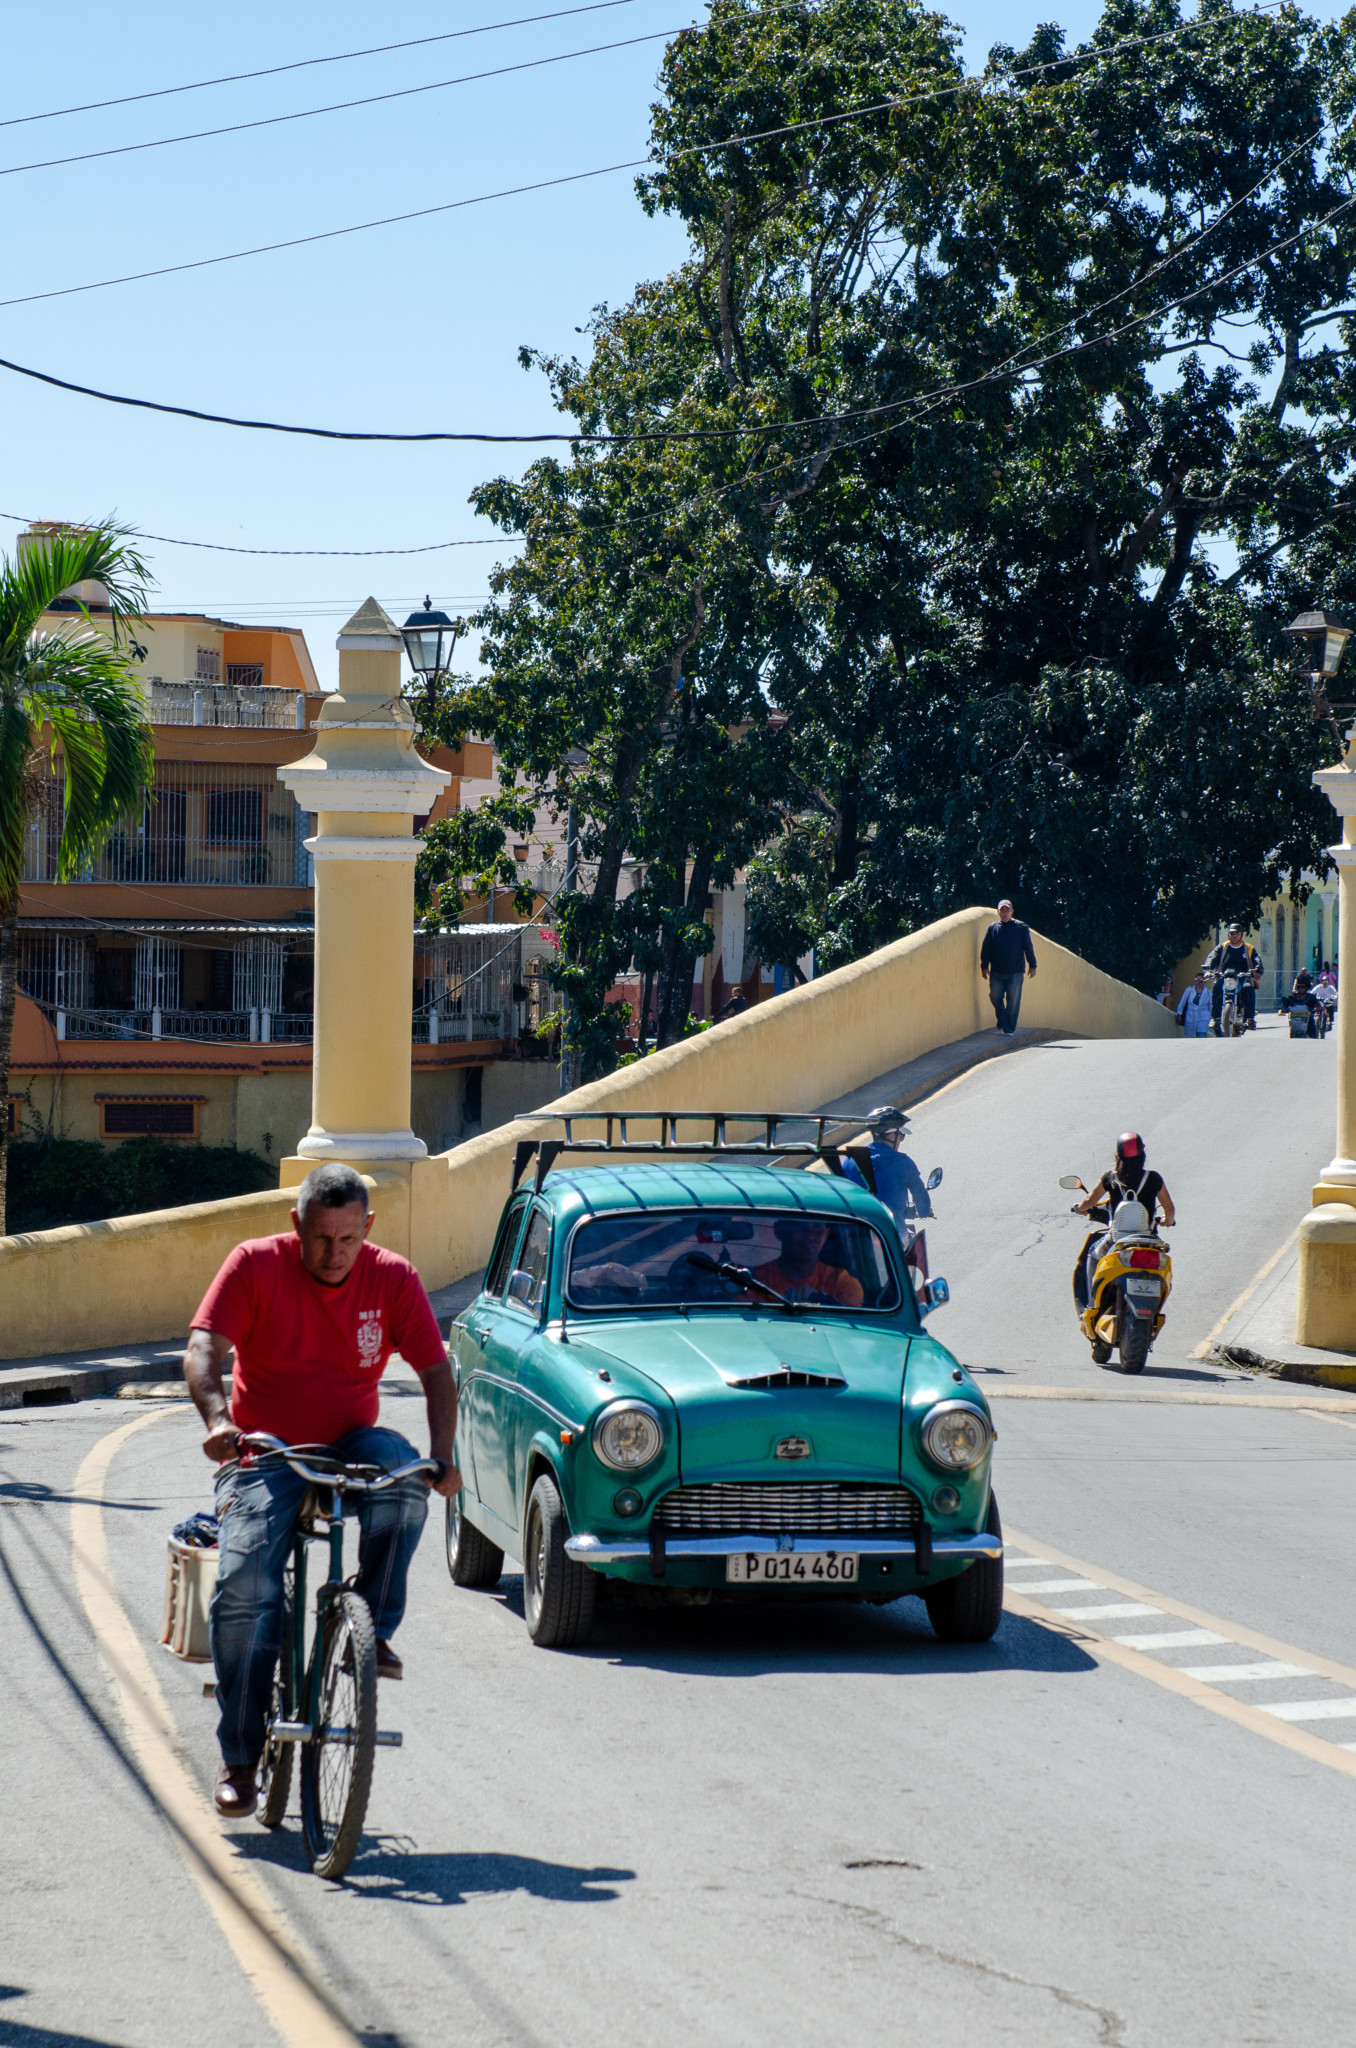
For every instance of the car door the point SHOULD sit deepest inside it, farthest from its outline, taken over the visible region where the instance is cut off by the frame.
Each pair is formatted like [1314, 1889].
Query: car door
[503, 1420]
[471, 1337]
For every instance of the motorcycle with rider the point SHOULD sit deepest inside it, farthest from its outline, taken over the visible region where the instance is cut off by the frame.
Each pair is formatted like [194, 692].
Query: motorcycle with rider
[1123, 1274]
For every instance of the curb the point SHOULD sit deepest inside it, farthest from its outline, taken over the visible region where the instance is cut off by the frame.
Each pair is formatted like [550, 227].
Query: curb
[58, 1386]
[1296, 1370]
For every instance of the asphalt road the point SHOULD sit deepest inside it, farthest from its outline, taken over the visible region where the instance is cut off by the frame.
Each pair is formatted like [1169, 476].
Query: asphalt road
[723, 1828]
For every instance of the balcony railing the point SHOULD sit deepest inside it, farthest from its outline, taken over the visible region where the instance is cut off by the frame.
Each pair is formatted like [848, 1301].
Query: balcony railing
[207, 703]
[256, 1027]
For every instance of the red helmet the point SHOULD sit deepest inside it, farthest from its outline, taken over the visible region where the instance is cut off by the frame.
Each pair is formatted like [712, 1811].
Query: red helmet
[1130, 1149]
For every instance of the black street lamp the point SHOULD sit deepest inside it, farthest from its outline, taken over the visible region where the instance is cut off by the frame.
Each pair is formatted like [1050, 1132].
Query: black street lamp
[1325, 639]
[430, 638]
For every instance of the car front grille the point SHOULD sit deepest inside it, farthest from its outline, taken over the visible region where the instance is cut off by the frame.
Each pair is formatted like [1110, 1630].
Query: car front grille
[775, 1508]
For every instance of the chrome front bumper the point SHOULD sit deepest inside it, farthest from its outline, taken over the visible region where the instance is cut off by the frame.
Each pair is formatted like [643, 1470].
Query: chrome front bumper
[586, 1549]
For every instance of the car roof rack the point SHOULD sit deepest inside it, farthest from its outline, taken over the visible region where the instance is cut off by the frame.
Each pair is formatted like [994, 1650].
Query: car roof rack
[674, 1142]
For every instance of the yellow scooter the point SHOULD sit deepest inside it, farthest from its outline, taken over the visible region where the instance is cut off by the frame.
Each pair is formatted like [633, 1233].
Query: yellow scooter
[1121, 1309]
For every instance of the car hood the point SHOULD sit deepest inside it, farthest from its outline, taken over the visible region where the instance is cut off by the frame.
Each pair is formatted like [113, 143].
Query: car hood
[741, 1386]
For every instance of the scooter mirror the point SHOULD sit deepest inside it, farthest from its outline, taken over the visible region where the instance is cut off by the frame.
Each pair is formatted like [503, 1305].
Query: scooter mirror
[935, 1177]
[1071, 1180]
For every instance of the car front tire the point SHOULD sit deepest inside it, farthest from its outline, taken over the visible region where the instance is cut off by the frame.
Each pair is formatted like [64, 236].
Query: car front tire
[968, 1609]
[560, 1597]
[471, 1558]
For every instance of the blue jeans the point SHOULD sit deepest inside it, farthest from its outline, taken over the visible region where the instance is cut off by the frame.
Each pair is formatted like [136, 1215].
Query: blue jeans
[1005, 993]
[258, 1507]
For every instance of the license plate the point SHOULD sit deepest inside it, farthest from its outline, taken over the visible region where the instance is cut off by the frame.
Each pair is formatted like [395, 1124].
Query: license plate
[788, 1568]
[1145, 1286]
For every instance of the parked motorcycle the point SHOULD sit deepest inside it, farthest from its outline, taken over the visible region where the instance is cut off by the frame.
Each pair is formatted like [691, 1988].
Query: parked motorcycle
[1129, 1286]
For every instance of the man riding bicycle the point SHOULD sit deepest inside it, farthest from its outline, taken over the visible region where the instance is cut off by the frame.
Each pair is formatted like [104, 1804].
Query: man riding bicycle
[312, 1315]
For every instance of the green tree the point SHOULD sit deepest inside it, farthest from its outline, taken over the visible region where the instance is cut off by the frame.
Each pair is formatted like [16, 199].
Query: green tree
[71, 696]
[1119, 343]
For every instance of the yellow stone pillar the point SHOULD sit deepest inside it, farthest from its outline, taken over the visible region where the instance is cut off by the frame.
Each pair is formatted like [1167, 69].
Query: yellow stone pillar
[1339, 1177]
[365, 784]
[1326, 1317]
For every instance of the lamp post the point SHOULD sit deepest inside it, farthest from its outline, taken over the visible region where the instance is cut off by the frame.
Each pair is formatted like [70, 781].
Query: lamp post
[1327, 1239]
[430, 638]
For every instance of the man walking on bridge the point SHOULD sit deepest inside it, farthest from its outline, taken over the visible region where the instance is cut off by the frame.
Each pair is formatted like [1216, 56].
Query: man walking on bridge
[1007, 948]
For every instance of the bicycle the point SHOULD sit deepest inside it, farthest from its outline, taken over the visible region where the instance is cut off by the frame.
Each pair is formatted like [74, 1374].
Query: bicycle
[325, 1699]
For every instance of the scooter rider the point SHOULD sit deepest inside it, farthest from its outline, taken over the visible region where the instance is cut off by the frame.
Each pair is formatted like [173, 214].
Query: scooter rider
[1129, 1180]
[1303, 997]
[1235, 956]
[899, 1184]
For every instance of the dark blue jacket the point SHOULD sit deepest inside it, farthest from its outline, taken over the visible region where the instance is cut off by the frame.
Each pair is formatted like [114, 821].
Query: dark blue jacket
[1007, 947]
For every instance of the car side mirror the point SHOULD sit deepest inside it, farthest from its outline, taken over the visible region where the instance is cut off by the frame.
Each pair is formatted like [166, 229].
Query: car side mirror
[520, 1286]
[935, 1178]
[935, 1294]
[1071, 1180]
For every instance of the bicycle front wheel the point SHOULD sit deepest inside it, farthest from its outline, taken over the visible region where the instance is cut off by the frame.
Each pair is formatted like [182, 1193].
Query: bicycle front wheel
[336, 1764]
[275, 1765]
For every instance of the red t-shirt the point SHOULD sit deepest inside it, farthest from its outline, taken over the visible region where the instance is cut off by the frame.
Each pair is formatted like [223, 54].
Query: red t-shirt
[308, 1357]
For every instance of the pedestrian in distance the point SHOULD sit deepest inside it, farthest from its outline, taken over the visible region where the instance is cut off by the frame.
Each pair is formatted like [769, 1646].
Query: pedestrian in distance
[1007, 951]
[1193, 1012]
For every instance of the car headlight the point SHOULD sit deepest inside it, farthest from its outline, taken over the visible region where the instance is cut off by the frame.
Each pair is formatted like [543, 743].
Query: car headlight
[956, 1435]
[628, 1435]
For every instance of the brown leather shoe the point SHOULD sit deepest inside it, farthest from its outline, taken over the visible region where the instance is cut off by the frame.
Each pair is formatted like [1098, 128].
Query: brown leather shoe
[388, 1664]
[236, 1794]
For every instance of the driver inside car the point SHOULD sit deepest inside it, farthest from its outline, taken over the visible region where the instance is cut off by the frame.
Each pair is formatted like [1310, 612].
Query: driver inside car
[799, 1272]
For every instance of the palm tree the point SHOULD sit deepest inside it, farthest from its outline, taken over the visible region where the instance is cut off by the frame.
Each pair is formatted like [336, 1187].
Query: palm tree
[71, 696]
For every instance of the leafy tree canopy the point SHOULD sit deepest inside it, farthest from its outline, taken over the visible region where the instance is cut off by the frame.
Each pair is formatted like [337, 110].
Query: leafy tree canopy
[990, 431]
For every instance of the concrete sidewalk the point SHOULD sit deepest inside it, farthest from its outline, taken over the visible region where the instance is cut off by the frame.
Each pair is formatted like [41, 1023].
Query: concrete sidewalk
[1261, 1336]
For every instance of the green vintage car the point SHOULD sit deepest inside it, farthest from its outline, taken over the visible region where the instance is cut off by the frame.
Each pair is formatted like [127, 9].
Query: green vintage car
[707, 1378]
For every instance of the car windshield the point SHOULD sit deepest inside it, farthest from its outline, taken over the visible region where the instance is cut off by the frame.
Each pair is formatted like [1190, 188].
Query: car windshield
[663, 1261]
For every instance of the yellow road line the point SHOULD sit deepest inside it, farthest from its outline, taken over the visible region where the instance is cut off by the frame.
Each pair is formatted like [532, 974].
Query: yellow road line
[1203, 1348]
[1300, 1404]
[283, 1978]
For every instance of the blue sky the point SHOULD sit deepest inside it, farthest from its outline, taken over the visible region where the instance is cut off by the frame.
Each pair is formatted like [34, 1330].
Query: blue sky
[407, 327]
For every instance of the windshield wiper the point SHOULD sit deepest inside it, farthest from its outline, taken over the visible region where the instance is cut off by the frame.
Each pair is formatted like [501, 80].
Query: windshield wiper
[745, 1278]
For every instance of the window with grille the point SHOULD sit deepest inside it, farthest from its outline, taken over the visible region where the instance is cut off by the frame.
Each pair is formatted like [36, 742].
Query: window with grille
[245, 675]
[235, 817]
[208, 669]
[149, 1116]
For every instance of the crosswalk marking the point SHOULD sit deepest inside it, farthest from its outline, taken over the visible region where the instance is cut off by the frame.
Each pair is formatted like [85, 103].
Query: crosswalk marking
[1095, 1613]
[1236, 1674]
[1281, 1721]
[1314, 1710]
[1172, 1639]
[1061, 1586]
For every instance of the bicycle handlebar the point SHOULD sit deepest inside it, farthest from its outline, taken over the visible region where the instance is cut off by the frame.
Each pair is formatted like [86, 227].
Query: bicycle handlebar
[348, 1478]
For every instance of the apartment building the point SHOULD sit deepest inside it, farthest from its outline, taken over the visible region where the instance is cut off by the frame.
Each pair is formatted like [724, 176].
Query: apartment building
[167, 990]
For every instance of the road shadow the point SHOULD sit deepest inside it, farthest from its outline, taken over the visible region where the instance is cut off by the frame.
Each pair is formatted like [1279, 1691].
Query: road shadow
[35, 1490]
[14, 2033]
[392, 1867]
[747, 1640]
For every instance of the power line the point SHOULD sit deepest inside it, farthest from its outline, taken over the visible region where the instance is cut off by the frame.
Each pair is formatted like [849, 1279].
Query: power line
[676, 434]
[377, 99]
[609, 170]
[309, 63]
[220, 547]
